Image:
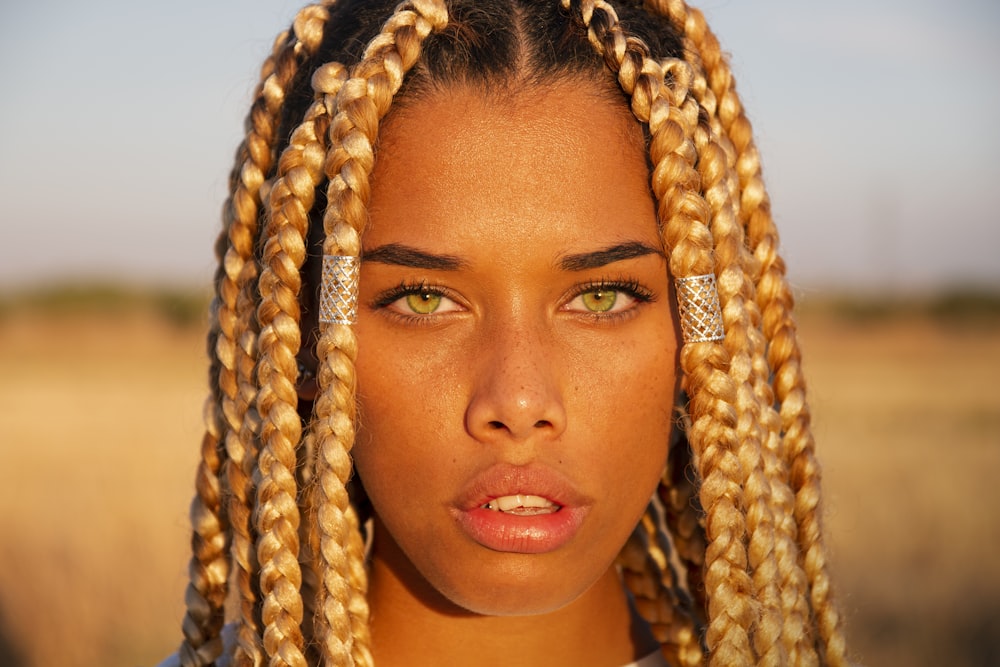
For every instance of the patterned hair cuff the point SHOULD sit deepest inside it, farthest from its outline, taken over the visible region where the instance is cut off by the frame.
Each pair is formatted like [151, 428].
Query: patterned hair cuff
[698, 306]
[338, 297]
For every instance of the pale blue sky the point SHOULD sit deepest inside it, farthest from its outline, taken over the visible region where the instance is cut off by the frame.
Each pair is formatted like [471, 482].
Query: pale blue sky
[878, 124]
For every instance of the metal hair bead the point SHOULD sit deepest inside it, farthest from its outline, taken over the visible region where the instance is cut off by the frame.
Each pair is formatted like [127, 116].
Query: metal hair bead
[338, 297]
[698, 306]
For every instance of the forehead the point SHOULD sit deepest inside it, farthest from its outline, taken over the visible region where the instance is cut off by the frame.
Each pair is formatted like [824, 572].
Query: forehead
[559, 159]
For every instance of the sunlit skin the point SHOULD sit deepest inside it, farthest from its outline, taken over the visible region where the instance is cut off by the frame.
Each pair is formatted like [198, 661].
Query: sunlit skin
[515, 316]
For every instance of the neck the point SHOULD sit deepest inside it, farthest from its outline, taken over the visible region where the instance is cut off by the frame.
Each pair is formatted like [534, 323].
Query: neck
[413, 625]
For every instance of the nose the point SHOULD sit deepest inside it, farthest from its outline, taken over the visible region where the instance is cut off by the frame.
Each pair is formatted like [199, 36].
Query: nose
[516, 395]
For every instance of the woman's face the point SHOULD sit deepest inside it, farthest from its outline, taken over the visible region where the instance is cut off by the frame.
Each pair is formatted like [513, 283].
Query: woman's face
[516, 374]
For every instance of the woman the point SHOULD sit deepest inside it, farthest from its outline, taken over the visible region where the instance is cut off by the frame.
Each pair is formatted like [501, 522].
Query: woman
[503, 364]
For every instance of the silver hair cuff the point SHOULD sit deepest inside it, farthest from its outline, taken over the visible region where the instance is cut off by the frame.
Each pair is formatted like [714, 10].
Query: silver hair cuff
[698, 306]
[338, 296]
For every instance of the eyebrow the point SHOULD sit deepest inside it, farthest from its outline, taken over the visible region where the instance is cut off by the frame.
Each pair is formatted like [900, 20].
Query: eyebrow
[599, 258]
[404, 255]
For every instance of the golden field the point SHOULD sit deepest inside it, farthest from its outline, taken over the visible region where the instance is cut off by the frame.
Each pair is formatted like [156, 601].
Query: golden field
[101, 416]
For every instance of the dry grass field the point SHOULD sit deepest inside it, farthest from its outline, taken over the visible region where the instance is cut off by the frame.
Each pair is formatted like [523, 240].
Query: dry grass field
[101, 420]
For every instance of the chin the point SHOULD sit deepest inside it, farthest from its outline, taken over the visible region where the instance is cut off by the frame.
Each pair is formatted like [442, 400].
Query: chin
[521, 586]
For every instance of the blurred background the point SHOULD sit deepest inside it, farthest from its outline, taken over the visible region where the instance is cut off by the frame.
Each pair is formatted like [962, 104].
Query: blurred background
[118, 122]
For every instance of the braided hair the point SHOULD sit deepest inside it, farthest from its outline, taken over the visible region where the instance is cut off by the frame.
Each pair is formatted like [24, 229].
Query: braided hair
[727, 565]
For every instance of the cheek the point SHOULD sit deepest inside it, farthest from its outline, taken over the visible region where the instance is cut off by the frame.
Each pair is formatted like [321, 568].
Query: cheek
[404, 400]
[631, 381]
[627, 393]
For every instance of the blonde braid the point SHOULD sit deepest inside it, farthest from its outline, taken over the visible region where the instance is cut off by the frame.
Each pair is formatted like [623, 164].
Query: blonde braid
[776, 301]
[686, 237]
[342, 623]
[649, 575]
[735, 294]
[310, 26]
[225, 410]
[683, 518]
[713, 433]
[805, 482]
[781, 582]
[208, 567]
[735, 268]
[358, 581]
[278, 518]
[238, 292]
[278, 514]
[793, 586]
[308, 145]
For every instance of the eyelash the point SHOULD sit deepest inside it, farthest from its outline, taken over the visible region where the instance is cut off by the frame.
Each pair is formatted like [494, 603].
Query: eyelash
[406, 288]
[401, 290]
[627, 286]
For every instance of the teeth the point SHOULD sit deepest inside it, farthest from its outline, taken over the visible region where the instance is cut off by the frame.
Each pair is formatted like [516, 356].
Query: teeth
[522, 504]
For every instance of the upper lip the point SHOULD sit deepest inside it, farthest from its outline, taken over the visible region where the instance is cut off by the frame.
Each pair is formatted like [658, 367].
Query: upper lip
[508, 480]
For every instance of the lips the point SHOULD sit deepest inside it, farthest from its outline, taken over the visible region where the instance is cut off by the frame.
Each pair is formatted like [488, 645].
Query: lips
[526, 510]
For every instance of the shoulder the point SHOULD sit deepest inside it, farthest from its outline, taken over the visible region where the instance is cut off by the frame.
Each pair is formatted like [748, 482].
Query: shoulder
[172, 661]
[655, 659]
[228, 643]
[229, 640]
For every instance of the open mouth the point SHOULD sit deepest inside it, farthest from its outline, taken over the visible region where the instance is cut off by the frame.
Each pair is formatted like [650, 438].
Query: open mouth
[521, 510]
[521, 505]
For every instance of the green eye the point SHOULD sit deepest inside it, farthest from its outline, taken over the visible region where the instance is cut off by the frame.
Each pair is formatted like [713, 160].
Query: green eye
[423, 303]
[599, 301]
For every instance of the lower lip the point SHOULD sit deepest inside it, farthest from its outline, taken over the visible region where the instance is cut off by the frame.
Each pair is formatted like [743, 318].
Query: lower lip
[511, 533]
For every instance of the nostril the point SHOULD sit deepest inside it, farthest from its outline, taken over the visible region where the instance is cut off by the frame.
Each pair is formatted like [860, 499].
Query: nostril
[499, 425]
